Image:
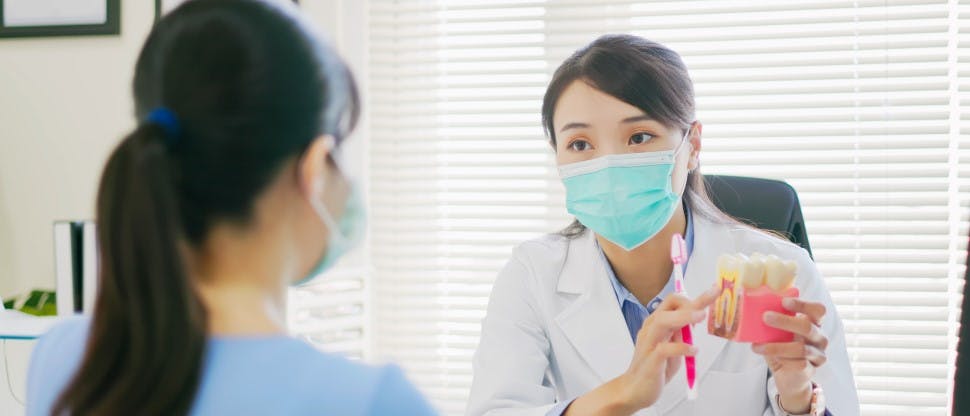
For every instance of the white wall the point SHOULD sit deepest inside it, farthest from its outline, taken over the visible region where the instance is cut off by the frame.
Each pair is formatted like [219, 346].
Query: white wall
[64, 102]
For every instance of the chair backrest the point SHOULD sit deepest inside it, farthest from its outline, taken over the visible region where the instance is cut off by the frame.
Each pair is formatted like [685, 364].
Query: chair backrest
[961, 378]
[764, 203]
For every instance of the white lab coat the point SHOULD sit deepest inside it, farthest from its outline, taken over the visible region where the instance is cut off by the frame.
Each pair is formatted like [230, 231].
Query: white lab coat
[554, 331]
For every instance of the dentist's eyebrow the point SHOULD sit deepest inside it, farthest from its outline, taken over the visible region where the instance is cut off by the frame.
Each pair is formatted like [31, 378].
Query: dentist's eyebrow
[574, 126]
[634, 119]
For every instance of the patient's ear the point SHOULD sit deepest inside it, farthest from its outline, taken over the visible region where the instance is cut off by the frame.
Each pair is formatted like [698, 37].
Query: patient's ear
[311, 170]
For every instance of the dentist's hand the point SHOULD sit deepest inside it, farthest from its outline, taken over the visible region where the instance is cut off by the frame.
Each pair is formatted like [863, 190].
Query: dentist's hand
[793, 363]
[660, 350]
[658, 355]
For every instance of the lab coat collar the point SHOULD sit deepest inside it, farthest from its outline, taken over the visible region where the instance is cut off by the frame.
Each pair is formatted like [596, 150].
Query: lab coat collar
[594, 324]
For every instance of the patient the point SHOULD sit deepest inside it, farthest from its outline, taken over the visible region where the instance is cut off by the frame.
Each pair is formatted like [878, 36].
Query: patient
[228, 191]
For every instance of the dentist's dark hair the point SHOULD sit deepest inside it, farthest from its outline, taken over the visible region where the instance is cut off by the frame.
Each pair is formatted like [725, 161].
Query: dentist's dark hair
[646, 75]
[251, 87]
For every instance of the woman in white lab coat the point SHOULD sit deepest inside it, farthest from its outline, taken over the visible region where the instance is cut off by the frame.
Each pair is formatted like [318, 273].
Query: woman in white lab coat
[567, 331]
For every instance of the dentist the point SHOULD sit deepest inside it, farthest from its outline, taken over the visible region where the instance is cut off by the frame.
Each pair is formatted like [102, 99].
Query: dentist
[585, 321]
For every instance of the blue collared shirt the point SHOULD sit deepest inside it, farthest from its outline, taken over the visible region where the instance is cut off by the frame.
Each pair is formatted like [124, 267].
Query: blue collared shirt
[634, 313]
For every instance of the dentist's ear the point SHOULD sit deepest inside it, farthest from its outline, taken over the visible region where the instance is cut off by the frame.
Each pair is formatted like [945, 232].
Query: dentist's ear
[695, 146]
[311, 169]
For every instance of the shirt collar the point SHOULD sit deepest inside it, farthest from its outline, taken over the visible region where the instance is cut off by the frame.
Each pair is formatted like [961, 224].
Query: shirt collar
[622, 294]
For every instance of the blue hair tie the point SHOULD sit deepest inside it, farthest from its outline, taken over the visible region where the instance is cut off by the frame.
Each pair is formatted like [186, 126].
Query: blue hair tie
[166, 119]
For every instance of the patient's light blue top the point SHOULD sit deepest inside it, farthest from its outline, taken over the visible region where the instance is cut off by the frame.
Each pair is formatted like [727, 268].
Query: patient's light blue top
[265, 375]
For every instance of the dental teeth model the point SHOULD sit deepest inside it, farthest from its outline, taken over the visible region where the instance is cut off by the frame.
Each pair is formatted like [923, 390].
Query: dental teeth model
[751, 286]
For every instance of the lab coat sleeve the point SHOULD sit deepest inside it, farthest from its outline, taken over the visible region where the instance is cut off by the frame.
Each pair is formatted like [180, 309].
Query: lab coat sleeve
[511, 362]
[835, 376]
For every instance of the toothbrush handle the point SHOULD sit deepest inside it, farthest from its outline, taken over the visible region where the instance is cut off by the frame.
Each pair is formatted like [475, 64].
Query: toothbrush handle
[679, 280]
[689, 366]
[685, 333]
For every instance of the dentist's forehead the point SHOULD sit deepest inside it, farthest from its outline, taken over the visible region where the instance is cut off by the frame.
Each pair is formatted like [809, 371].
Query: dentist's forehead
[581, 103]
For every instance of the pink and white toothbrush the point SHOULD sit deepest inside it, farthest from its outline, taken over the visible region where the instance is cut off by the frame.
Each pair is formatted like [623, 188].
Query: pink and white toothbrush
[678, 254]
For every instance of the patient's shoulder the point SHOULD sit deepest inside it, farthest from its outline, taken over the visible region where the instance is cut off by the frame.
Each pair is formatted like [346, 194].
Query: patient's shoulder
[372, 389]
[63, 343]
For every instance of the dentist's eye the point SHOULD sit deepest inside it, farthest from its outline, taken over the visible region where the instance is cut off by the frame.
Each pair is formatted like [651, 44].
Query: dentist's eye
[580, 146]
[640, 138]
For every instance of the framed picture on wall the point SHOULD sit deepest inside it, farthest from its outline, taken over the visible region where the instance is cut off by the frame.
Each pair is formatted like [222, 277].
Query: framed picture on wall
[31, 18]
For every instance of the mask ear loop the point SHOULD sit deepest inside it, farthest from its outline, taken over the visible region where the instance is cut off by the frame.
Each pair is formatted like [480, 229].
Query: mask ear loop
[681, 145]
[318, 205]
[683, 140]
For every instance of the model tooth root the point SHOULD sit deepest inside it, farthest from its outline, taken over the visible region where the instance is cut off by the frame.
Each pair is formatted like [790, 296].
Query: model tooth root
[727, 269]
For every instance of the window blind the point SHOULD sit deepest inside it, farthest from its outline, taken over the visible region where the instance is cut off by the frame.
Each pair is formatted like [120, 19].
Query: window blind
[330, 313]
[863, 106]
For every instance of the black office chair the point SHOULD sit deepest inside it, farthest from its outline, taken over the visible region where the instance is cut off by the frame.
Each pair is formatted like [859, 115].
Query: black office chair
[764, 203]
[961, 379]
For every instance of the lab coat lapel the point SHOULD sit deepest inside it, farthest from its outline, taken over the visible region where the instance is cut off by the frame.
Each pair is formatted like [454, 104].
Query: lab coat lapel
[593, 322]
[710, 241]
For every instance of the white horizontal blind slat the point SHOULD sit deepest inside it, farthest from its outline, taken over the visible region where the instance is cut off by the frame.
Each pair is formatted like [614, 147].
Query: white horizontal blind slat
[329, 311]
[862, 106]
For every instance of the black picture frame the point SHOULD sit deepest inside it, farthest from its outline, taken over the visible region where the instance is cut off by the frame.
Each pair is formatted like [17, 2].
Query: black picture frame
[158, 10]
[111, 26]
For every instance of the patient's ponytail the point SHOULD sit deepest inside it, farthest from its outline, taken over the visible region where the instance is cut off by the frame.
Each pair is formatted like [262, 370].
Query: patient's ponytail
[226, 93]
[147, 337]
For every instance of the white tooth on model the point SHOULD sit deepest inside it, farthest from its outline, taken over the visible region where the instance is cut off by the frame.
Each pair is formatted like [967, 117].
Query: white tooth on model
[791, 270]
[727, 262]
[752, 273]
[779, 274]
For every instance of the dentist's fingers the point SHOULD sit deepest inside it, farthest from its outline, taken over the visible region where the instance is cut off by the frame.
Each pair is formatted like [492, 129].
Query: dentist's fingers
[675, 312]
[675, 349]
[707, 298]
[678, 301]
[814, 310]
[673, 302]
[662, 325]
[799, 325]
[670, 350]
[791, 351]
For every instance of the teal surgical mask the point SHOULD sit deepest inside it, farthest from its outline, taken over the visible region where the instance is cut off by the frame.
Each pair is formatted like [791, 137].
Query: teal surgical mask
[345, 233]
[626, 198]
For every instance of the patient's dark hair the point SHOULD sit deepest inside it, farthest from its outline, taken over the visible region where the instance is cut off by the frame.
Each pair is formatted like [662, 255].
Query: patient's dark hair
[646, 75]
[251, 87]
